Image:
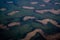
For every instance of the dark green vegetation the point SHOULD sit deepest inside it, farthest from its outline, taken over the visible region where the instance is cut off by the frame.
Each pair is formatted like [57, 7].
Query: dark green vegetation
[19, 32]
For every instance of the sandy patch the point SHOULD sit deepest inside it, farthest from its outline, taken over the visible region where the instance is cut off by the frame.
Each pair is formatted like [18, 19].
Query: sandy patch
[13, 24]
[28, 17]
[45, 21]
[53, 37]
[41, 11]
[50, 10]
[48, 37]
[54, 23]
[46, 1]
[3, 9]
[28, 7]
[13, 12]
[3, 27]
[31, 34]
[33, 2]
[55, 11]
